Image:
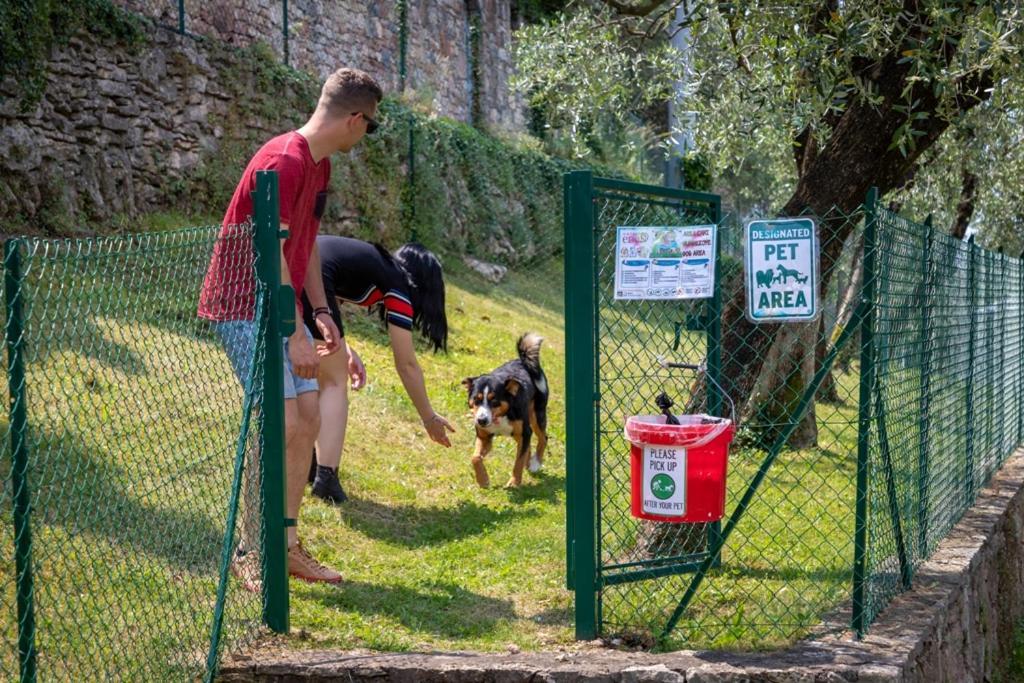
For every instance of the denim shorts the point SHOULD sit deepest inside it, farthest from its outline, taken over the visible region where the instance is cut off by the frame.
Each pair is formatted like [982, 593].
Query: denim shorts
[239, 340]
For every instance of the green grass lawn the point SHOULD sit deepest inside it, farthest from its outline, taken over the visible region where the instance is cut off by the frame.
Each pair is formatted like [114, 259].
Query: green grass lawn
[430, 559]
[134, 413]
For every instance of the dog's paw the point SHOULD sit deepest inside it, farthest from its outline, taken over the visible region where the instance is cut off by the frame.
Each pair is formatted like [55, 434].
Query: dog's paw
[513, 484]
[535, 464]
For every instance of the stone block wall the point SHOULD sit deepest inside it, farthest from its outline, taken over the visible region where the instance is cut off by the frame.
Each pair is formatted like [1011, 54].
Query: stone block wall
[326, 34]
[118, 130]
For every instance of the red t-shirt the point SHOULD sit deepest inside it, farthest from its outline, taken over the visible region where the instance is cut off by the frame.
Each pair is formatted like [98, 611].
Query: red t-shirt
[229, 284]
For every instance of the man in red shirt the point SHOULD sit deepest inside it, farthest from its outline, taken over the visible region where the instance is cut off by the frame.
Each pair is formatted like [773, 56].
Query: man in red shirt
[344, 114]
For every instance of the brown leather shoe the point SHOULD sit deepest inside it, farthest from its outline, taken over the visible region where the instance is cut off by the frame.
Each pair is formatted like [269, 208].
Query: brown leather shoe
[301, 565]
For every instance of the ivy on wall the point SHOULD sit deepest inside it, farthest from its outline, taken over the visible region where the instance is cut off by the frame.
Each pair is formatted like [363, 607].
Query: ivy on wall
[30, 28]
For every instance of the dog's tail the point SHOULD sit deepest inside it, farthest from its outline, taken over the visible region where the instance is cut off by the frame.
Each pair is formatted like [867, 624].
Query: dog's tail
[528, 347]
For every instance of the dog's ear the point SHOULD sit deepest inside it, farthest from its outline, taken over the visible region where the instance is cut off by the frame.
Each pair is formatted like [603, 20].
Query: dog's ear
[468, 383]
[512, 386]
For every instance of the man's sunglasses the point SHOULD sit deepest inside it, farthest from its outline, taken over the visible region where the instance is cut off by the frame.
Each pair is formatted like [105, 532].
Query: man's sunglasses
[371, 124]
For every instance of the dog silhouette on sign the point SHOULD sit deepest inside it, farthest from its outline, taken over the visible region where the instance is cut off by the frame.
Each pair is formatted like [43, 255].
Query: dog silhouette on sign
[765, 277]
[786, 273]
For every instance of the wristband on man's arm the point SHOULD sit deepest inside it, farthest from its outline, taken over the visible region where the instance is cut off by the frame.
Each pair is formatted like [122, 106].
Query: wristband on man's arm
[321, 309]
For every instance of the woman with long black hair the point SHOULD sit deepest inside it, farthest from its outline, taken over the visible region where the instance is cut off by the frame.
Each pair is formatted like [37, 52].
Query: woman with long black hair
[408, 286]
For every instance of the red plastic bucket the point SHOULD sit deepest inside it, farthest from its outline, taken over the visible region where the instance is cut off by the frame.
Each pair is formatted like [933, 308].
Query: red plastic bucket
[678, 472]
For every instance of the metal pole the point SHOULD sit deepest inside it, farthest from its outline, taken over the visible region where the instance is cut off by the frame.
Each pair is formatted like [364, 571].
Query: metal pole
[1003, 384]
[924, 426]
[969, 408]
[403, 41]
[714, 342]
[15, 334]
[867, 379]
[581, 403]
[181, 17]
[272, 453]
[1020, 347]
[284, 14]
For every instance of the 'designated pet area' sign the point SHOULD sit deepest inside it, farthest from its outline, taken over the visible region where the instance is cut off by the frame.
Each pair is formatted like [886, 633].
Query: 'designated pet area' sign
[666, 262]
[781, 261]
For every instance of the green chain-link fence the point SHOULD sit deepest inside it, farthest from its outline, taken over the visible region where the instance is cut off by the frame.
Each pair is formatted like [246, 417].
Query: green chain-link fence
[122, 459]
[946, 404]
[863, 436]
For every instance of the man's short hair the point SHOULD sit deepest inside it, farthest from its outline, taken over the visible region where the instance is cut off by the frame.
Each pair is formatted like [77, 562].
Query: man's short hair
[349, 90]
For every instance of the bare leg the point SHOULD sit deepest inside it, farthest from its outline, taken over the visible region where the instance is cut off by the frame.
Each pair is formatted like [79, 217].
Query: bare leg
[302, 421]
[333, 408]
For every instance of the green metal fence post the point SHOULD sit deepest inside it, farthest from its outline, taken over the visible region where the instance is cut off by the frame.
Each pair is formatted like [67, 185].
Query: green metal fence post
[284, 28]
[972, 284]
[1020, 348]
[181, 17]
[581, 422]
[715, 399]
[867, 372]
[15, 335]
[403, 41]
[272, 454]
[1002, 354]
[924, 427]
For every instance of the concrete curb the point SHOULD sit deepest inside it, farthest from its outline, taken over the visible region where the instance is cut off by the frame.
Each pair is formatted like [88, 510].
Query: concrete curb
[956, 624]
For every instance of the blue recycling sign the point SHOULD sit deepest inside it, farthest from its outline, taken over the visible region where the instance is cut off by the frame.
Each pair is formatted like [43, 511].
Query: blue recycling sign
[781, 262]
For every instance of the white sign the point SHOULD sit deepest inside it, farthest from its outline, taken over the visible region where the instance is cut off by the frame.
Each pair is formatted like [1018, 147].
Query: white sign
[665, 480]
[781, 264]
[665, 262]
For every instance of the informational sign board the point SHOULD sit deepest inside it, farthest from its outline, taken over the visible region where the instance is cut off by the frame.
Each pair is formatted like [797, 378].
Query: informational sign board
[665, 262]
[664, 480]
[781, 270]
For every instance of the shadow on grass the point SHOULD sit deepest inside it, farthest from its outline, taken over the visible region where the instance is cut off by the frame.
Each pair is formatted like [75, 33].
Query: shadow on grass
[540, 486]
[789, 574]
[540, 285]
[413, 526]
[440, 607]
[82, 336]
[88, 493]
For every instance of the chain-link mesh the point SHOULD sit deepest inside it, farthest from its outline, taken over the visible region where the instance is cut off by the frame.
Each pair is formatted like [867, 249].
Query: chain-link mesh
[133, 420]
[790, 559]
[945, 411]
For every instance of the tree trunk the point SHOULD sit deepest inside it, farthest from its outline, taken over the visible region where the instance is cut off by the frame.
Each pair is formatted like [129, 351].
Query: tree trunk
[827, 392]
[965, 207]
[848, 304]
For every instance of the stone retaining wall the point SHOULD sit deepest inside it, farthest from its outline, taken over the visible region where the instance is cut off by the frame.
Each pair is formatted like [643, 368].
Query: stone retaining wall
[326, 34]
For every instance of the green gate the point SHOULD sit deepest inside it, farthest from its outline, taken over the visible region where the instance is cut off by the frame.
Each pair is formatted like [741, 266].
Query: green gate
[615, 354]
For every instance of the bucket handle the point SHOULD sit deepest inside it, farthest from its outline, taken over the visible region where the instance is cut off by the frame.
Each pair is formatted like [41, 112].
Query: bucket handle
[663, 362]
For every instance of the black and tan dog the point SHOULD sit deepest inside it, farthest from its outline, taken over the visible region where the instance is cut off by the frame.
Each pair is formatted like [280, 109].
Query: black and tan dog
[512, 400]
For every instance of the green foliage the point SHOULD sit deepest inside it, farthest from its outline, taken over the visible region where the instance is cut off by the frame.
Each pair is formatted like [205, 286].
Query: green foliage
[760, 75]
[989, 144]
[697, 173]
[31, 28]
[468, 191]
[587, 82]
[532, 11]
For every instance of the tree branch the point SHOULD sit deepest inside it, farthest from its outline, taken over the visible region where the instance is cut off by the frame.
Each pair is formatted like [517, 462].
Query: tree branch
[629, 10]
[965, 208]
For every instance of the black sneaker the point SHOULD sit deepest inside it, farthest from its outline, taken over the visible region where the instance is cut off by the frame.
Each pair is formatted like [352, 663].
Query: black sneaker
[327, 487]
[312, 467]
